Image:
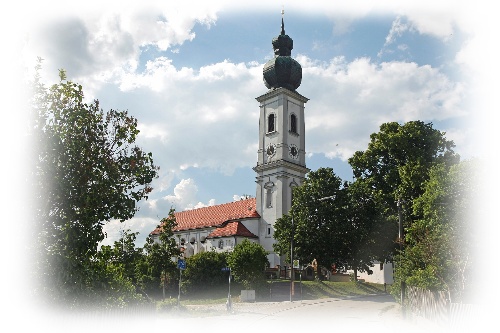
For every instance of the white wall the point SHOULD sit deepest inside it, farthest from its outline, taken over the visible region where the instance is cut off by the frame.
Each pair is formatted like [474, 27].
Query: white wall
[381, 276]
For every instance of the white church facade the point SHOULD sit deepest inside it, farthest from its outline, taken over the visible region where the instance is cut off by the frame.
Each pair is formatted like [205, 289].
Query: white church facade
[280, 167]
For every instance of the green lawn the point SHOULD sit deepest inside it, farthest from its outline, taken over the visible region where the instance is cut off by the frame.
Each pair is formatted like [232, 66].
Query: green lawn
[280, 289]
[325, 289]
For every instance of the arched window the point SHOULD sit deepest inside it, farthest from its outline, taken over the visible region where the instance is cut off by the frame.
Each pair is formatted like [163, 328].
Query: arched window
[269, 194]
[293, 123]
[271, 123]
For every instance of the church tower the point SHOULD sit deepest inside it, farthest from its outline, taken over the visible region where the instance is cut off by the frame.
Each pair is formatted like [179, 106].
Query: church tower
[281, 155]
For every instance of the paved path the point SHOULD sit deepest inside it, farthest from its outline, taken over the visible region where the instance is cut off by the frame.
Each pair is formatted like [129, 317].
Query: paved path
[371, 313]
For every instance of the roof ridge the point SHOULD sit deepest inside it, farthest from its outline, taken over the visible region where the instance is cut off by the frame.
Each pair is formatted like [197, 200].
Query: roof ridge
[219, 205]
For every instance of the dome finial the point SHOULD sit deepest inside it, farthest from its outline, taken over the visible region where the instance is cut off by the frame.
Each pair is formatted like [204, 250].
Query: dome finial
[282, 20]
[282, 71]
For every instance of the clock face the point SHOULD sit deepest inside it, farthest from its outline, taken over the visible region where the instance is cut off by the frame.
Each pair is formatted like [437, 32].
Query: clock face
[293, 151]
[271, 149]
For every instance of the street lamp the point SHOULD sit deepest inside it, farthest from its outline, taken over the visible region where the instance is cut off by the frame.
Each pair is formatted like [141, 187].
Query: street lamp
[400, 235]
[291, 260]
[327, 198]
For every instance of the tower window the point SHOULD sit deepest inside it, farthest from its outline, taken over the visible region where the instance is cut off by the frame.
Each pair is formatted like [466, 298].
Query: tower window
[269, 198]
[268, 230]
[293, 123]
[269, 194]
[271, 123]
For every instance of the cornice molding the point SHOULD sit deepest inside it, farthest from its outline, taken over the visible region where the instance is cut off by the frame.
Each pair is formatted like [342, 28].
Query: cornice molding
[278, 91]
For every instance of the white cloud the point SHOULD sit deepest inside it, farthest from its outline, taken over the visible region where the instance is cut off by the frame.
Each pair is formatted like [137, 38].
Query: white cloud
[184, 197]
[350, 100]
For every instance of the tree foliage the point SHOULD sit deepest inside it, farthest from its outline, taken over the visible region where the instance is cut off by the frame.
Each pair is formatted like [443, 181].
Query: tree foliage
[159, 271]
[204, 270]
[315, 222]
[440, 246]
[399, 157]
[342, 229]
[248, 262]
[117, 265]
[87, 171]
[395, 166]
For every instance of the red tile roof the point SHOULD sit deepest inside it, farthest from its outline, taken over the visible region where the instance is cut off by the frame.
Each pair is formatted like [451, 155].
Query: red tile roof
[233, 228]
[214, 216]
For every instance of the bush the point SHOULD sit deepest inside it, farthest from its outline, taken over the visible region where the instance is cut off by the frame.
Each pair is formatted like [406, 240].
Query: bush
[248, 261]
[166, 305]
[204, 270]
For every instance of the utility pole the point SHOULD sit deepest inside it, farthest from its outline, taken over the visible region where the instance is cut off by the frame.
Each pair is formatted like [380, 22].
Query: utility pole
[291, 262]
[400, 235]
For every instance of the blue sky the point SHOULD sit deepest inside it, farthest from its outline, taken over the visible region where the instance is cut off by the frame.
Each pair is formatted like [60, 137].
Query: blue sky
[190, 74]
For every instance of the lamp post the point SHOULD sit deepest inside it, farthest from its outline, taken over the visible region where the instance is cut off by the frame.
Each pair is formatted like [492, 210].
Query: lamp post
[400, 235]
[229, 305]
[291, 261]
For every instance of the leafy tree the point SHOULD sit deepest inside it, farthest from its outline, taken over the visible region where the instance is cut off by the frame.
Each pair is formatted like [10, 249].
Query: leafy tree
[399, 157]
[158, 270]
[395, 166]
[123, 253]
[341, 230]
[247, 262]
[204, 270]
[439, 246]
[87, 172]
[315, 229]
[363, 229]
[117, 267]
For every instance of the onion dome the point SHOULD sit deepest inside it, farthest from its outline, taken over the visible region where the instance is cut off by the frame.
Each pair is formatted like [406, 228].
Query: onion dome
[282, 70]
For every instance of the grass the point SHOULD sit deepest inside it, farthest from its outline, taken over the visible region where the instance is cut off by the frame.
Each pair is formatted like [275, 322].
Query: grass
[310, 290]
[326, 289]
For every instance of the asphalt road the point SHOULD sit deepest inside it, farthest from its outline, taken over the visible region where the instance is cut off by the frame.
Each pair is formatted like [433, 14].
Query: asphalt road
[374, 313]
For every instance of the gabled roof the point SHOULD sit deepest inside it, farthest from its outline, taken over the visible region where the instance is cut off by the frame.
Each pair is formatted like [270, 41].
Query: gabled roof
[232, 228]
[214, 216]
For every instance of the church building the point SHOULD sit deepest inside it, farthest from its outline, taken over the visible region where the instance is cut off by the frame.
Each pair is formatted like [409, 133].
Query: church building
[280, 167]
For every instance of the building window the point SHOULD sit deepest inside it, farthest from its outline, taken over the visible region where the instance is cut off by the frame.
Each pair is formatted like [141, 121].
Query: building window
[221, 244]
[271, 123]
[269, 198]
[293, 123]
[269, 194]
[268, 230]
[381, 266]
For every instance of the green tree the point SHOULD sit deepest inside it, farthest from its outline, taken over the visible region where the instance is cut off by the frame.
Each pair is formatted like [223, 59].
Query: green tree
[248, 262]
[316, 223]
[159, 272]
[204, 270]
[395, 166]
[87, 172]
[341, 229]
[439, 246]
[399, 157]
[362, 229]
[117, 266]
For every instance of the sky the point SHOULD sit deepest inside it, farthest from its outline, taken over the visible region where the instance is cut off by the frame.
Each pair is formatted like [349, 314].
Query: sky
[190, 74]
